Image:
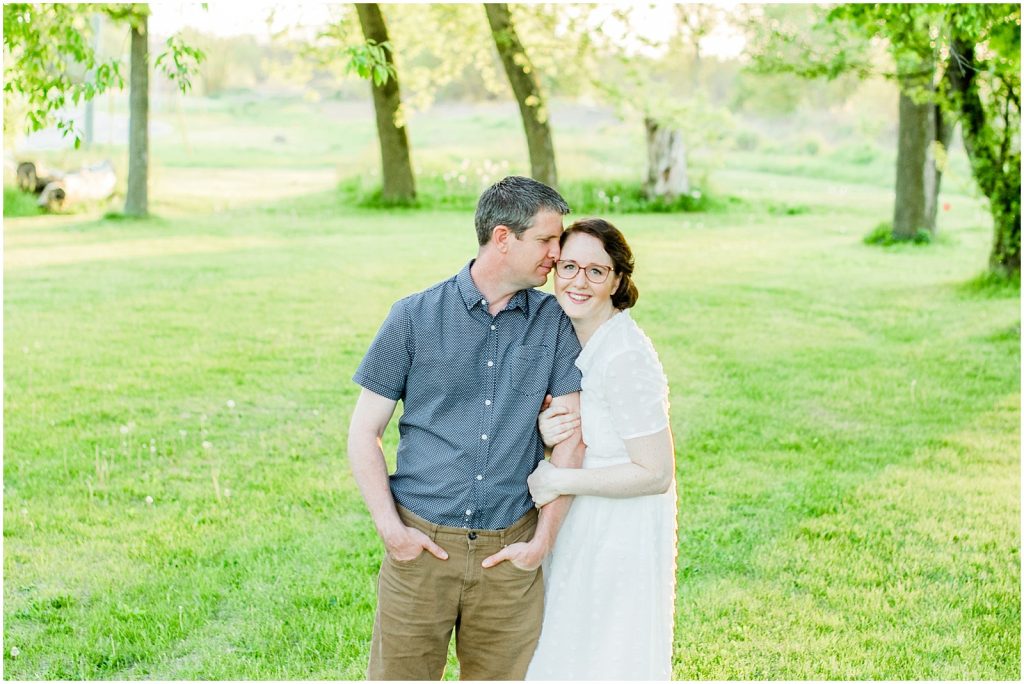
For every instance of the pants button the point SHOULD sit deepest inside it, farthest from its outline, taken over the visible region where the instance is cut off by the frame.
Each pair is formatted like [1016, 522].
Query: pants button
[471, 535]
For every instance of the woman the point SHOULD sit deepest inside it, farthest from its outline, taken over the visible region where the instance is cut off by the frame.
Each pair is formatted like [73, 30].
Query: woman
[610, 578]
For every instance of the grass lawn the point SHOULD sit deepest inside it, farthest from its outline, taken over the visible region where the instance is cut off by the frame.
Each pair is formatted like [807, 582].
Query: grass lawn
[177, 391]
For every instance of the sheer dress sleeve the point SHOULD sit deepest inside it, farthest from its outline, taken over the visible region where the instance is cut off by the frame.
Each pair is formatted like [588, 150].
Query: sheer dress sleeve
[638, 394]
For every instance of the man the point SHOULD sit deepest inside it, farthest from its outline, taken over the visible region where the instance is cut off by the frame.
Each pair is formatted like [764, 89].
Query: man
[472, 359]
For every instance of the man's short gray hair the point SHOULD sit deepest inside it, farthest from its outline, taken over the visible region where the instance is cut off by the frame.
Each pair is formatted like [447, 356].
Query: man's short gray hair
[514, 201]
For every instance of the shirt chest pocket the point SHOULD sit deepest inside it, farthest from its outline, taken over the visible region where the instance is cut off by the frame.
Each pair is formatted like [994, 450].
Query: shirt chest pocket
[528, 366]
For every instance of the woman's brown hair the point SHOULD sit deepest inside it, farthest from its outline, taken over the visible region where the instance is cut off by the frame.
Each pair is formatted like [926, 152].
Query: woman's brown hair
[615, 244]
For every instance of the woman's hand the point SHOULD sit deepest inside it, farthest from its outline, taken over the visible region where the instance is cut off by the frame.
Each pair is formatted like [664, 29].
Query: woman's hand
[543, 483]
[556, 423]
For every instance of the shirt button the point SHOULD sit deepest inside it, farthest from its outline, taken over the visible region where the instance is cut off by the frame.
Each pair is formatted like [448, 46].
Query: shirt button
[487, 402]
[490, 363]
[469, 512]
[484, 302]
[494, 327]
[479, 477]
[483, 437]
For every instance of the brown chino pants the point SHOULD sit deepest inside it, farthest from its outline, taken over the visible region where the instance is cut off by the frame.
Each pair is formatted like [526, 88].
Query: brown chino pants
[496, 612]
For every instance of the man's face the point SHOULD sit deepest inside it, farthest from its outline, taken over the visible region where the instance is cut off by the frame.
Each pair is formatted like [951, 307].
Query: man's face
[533, 256]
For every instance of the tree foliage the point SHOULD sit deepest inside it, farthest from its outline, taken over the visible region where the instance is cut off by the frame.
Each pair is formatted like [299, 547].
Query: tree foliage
[964, 58]
[341, 40]
[51, 65]
[979, 49]
[48, 54]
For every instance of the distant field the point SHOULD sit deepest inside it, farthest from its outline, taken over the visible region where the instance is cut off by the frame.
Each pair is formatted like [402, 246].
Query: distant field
[177, 391]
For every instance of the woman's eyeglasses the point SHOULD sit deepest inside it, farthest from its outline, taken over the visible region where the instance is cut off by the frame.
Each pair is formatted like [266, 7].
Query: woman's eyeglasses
[595, 273]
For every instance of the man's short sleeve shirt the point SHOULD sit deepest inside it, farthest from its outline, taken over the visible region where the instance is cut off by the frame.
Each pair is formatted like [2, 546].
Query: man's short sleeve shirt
[471, 385]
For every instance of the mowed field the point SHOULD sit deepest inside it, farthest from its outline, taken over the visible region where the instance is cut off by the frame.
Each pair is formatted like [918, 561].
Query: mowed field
[177, 502]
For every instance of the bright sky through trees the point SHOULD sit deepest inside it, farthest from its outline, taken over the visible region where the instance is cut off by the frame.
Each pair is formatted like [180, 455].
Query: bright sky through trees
[261, 18]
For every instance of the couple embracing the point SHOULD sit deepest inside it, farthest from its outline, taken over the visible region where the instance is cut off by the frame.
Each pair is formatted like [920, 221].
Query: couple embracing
[559, 568]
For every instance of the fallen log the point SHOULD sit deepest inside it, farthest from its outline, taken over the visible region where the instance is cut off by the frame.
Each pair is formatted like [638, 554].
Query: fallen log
[34, 176]
[85, 185]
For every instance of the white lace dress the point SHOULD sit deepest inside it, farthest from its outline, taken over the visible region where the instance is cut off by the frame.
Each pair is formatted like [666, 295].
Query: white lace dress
[610, 579]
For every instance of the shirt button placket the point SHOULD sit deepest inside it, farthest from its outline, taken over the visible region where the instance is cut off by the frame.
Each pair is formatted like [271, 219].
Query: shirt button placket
[490, 383]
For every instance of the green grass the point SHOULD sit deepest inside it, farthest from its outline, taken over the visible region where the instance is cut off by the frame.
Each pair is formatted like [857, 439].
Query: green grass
[883, 236]
[177, 503]
[17, 202]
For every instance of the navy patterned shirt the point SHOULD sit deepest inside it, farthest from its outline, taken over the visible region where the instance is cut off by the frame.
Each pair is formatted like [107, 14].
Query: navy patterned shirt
[471, 386]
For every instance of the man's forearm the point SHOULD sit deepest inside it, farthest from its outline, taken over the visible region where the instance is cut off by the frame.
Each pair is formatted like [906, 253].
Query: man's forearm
[551, 516]
[369, 469]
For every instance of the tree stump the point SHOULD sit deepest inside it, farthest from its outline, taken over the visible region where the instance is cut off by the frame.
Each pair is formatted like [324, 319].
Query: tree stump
[667, 177]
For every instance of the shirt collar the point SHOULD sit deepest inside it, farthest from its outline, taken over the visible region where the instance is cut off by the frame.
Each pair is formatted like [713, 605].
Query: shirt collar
[473, 297]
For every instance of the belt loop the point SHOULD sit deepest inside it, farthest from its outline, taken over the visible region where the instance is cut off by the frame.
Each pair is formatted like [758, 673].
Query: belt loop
[434, 527]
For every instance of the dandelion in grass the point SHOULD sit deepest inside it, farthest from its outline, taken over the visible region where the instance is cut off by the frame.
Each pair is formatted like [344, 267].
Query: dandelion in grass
[207, 445]
[616, 199]
[152, 449]
[695, 194]
[149, 501]
[231, 403]
[183, 433]
[15, 651]
[124, 429]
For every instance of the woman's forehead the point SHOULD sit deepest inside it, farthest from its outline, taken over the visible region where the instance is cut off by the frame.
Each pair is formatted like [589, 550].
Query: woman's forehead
[585, 249]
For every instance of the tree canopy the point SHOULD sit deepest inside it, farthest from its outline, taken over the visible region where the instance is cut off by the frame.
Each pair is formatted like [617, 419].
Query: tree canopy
[52, 64]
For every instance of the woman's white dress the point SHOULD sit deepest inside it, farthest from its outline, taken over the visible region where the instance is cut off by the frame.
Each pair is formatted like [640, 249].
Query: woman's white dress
[610, 579]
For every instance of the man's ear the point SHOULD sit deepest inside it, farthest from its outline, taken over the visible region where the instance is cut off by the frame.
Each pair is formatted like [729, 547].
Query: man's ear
[501, 236]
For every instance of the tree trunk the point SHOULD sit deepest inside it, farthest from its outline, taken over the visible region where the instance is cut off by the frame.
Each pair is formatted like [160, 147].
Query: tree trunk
[88, 134]
[666, 162]
[913, 170]
[995, 166]
[399, 185]
[526, 86]
[934, 166]
[137, 197]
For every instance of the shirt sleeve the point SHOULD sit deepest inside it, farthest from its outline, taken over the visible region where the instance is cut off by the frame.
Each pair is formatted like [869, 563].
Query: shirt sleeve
[566, 378]
[386, 365]
[638, 393]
